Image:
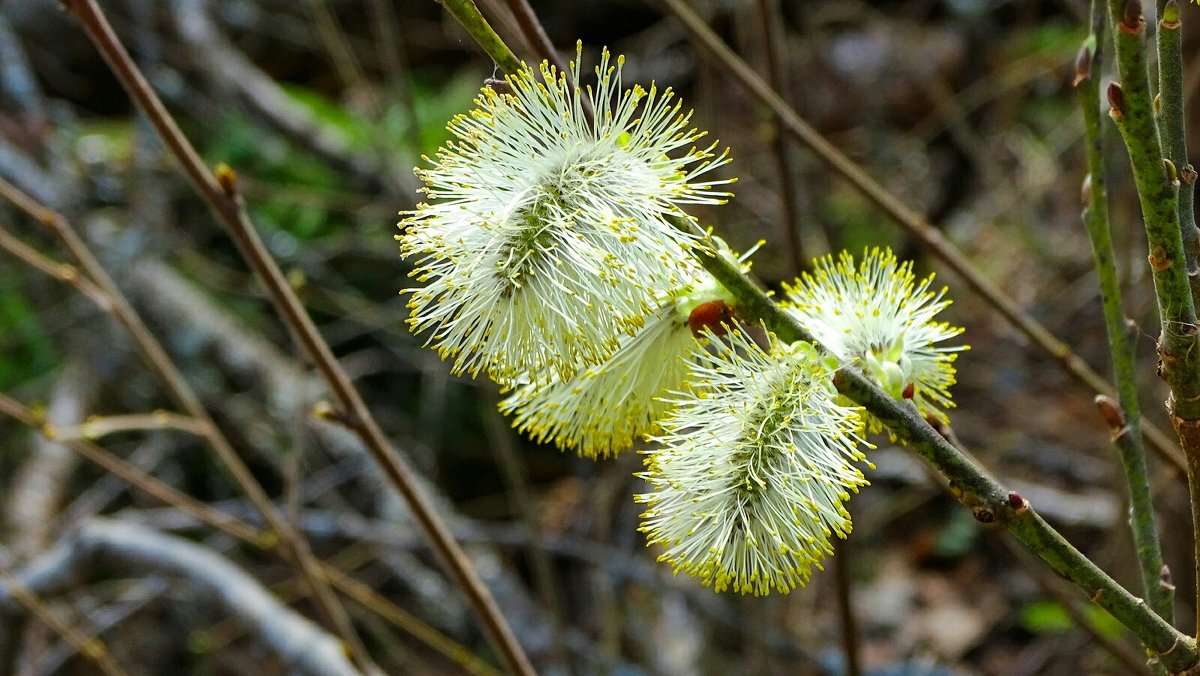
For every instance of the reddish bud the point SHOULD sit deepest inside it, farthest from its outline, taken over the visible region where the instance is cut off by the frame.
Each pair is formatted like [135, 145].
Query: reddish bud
[1017, 502]
[909, 390]
[1116, 100]
[1132, 20]
[713, 316]
[1164, 578]
[1111, 411]
[1083, 64]
[227, 179]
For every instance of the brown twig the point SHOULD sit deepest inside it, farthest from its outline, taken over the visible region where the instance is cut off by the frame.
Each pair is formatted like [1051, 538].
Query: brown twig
[846, 619]
[221, 194]
[136, 477]
[768, 23]
[924, 232]
[91, 648]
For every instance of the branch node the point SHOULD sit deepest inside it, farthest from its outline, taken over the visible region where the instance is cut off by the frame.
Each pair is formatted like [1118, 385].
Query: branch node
[1170, 16]
[1158, 258]
[1132, 21]
[227, 179]
[1112, 413]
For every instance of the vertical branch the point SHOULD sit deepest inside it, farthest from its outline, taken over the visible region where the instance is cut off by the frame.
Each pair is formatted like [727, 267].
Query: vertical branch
[1157, 182]
[1173, 133]
[1125, 422]
[226, 204]
[846, 619]
[768, 22]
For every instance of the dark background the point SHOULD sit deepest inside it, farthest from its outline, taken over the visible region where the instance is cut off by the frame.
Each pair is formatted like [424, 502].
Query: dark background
[963, 109]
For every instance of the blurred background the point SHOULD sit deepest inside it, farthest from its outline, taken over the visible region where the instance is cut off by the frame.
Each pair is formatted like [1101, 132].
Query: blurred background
[963, 109]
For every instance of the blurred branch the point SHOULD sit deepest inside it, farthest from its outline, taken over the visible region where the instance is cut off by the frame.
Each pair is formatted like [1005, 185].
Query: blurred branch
[136, 477]
[42, 478]
[1126, 423]
[221, 195]
[223, 63]
[769, 20]
[291, 544]
[91, 648]
[222, 522]
[535, 34]
[916, 225]
[98, 426]
[120, 548]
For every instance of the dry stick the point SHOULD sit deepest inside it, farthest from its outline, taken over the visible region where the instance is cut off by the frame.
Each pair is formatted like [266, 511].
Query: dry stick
[112, 547]
[136, 477]
[227, 207]
[230, 525]
[63, 272]
[502, 441]
[291, 544]
[917, 226]
[96, 427]
[91, 648]
[534, 33]
[767, 24]
[846, 619]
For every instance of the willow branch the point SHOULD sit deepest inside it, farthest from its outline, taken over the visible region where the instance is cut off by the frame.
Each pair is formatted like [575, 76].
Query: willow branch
[1173, 134]
[925, 234]
[1125, 421]
[468, 16]
[988, 500]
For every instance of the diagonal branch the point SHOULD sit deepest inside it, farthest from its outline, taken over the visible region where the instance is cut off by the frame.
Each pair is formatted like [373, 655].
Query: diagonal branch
[221, 194]
[925, 233]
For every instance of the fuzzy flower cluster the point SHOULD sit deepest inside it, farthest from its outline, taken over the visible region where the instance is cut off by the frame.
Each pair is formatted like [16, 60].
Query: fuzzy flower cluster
[876, 316]
[755, 463]
[548, 235]
[556, 258]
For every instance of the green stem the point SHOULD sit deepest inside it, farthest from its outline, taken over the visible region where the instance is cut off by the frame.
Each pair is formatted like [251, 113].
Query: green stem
[987, 499]
[1157, 186]
[1173, 134]
[480, 30]
[1127, 437]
